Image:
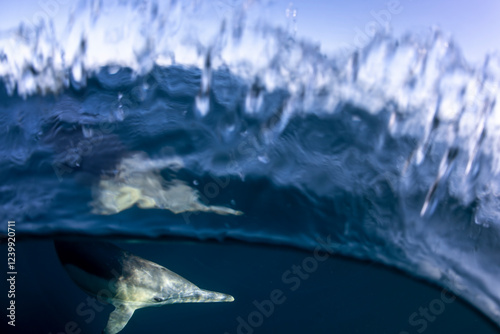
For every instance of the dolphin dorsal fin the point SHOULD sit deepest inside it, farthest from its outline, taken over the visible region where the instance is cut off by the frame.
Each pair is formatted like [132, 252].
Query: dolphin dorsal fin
[118, 319]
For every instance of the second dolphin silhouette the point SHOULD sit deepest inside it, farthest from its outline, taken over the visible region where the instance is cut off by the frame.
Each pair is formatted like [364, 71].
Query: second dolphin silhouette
[127, 281]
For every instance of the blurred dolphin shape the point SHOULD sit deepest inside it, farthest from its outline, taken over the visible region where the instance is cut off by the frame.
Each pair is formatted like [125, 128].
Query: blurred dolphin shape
[137, 181]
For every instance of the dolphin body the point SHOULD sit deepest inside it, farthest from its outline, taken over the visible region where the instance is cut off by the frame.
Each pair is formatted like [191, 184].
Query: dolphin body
[126, 281]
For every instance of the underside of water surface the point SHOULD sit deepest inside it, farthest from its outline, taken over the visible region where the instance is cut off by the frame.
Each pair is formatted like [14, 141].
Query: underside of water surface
[390, 152]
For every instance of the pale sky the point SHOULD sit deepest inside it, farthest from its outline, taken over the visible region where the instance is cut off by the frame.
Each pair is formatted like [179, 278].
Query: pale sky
[475, 25]
[334, 23]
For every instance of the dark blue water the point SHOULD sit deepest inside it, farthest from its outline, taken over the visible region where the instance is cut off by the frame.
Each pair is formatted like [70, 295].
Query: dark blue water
[338, 296]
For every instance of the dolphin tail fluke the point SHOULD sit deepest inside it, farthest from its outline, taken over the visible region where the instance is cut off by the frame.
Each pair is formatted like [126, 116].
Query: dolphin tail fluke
[118, 319]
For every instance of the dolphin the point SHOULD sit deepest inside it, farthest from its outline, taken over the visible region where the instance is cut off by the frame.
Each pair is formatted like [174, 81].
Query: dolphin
[137, 180]
[127, 281]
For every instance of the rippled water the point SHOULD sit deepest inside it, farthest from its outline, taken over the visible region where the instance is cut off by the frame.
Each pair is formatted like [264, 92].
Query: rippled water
[390, 153]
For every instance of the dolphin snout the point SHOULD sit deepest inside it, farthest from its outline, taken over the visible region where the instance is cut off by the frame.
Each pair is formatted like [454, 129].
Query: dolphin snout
[211, 296]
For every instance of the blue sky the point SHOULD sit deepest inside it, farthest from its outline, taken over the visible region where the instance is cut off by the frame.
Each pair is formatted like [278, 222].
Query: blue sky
[474, 25]
[334, 23]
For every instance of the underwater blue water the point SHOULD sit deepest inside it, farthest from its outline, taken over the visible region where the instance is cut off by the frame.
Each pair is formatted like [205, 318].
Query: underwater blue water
[387, 153]
[339, 296]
